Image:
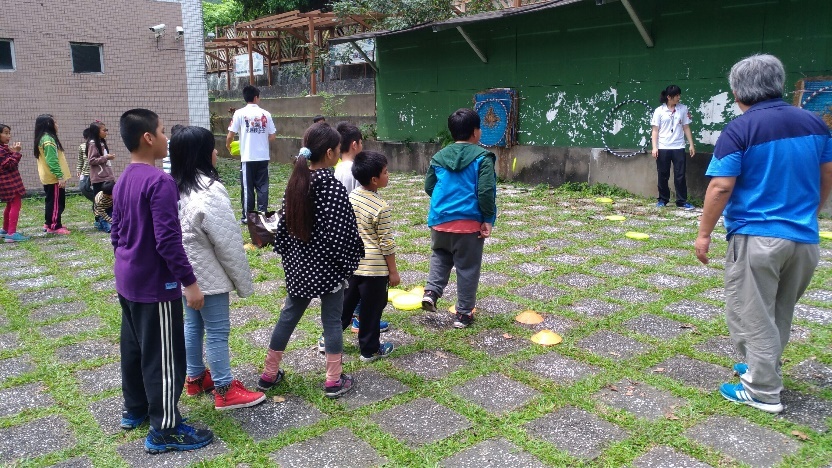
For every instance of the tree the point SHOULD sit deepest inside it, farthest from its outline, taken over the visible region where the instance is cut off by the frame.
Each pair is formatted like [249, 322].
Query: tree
[221, 13]
[402, 14]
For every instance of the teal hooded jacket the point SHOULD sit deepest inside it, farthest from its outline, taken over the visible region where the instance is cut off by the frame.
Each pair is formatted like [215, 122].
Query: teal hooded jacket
[462, 185]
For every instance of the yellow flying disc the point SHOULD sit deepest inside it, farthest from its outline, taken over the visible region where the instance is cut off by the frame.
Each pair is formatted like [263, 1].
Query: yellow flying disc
[407, 301]
[546, 338]
[604, 200]
[826, 234]
[452, 309]
[392, 293]
[514, 165]
[235, 148]
[418, 290]
[615, 218]
[637, 235]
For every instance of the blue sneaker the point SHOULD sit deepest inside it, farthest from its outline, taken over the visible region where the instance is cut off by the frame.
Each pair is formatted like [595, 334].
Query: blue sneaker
[16, 237]
[130, 422]
[383, 351]
[738, 394]
[382, 325]
[740, 368]
[3, 232]
[321, 345]
[661, 204]
[181, 437]
[686, 206]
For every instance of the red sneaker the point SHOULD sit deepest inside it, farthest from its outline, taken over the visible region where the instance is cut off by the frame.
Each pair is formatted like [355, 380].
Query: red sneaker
[235, 395]
[203, 383]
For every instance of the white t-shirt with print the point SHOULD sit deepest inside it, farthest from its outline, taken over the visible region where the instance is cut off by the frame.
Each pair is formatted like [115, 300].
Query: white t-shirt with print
[671, 124]
[254, 125]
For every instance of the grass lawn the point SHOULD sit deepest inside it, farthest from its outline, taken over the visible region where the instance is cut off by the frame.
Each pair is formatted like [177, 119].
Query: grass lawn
[644, 338]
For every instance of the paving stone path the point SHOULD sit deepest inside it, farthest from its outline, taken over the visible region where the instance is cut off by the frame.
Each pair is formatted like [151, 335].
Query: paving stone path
[633, 383]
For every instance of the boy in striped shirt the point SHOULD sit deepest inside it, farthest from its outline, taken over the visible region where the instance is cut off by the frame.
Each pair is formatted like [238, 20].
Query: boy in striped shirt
[377, 269]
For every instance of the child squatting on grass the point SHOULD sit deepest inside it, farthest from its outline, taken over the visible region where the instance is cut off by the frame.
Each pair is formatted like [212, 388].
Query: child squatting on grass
[212, 239]
[11, 185]
[462, 186]
[152, 270]
[368, 285]
[318, 240]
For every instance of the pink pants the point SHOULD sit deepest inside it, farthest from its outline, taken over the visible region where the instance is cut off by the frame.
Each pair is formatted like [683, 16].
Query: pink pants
[10, 215]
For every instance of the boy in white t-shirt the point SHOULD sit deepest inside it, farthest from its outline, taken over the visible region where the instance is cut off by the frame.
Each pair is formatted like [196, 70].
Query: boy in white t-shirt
[671, 124]
[256, 130]
[351, 144]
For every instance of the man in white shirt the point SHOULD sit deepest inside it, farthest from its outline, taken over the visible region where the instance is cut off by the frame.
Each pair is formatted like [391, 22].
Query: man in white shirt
[256, 130]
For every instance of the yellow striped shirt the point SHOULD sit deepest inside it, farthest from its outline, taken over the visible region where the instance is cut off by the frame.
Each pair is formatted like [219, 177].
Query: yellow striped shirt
[375, 225]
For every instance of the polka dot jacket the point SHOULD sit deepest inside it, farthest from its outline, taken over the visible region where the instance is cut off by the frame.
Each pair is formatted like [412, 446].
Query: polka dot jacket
[323, 264]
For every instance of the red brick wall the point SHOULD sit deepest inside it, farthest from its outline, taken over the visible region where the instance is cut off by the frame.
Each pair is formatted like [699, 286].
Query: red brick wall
[136, 72]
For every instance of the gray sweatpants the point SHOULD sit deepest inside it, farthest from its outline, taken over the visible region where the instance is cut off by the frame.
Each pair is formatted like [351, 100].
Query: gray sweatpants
[764, 278]
[463, 251]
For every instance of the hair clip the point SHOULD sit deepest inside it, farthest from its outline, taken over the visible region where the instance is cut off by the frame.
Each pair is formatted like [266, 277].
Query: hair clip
[305, 153]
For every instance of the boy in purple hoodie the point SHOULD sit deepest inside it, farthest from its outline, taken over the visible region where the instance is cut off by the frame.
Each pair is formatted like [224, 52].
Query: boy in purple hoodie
[151, 270]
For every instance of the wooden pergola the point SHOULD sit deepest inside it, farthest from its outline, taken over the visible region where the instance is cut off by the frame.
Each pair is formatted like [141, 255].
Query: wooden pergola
[283, 38]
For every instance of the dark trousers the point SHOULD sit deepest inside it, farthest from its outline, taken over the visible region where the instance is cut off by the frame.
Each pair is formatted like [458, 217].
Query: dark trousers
[463, 251]
[254, 178]
[371, 292]
[153, 360]
[55, 203]
[679, 160]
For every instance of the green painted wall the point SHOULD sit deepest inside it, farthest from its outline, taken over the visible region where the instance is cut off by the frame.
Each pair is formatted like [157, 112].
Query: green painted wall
[572, 64]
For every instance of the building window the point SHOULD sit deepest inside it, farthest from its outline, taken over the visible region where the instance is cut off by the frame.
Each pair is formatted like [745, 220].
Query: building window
[87, 58]
[6, 55]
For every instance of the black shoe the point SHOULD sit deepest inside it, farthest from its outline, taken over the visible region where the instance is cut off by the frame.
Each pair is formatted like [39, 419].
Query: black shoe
[463, 320]
[181, 437]
[429, 301]
[265, 385]
[344, 385]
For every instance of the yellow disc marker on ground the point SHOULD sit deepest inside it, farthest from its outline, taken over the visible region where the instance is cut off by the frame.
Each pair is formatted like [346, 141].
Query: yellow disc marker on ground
[615, 218]
[604, 200]
[529, 317]
[249, 247]
[452, 309]
[407, 301]
[637, 235]
[419, 291]
[392, 293]
[546, 338]
[826, 234]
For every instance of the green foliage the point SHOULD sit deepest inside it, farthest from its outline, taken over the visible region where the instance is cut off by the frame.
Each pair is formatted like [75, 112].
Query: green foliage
[257, 8]
[584, 188]
[444, 138]
[333, 105]
[368, 131]
[221, 14]
[398, 14]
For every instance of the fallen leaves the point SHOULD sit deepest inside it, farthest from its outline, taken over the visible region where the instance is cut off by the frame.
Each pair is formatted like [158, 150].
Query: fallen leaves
[278, 399]
[800, 435]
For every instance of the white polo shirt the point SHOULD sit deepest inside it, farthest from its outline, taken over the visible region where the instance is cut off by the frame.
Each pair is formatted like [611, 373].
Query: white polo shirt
[253, 125]
[671, 124]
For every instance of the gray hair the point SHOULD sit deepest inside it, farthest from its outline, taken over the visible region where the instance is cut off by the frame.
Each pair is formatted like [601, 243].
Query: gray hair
[757, 78]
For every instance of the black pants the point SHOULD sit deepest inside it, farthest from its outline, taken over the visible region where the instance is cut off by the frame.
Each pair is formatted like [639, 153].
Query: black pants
[153, 360]
[678, 158]
[254, 177]
[54, 207]
[371, 291]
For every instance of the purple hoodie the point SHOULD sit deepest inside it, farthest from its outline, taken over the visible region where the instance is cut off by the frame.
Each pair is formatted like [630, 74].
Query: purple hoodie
[151, 264]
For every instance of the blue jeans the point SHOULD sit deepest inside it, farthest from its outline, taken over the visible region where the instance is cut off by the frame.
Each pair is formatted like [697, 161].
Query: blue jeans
[213, 322]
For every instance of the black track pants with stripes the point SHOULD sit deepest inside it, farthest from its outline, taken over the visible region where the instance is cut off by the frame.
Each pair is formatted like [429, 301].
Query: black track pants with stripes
[153, 360]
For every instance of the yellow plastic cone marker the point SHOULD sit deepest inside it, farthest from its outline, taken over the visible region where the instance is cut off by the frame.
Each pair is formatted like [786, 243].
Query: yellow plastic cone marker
[250, 247]
[514, 165]
[604, 200]
[419, 291]
[546, 338]
[392, 293]
[452, 309]
[529, 317]
[826, 234]
[407, 301]
[637, 235]
[615, 218]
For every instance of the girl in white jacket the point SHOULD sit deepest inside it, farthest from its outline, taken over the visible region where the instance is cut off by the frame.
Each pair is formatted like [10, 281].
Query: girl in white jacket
[212, 239]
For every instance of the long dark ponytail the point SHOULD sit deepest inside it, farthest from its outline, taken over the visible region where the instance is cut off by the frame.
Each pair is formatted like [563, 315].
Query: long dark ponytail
[670, 91]
[45, 125]
[93, 132]
[299, 202]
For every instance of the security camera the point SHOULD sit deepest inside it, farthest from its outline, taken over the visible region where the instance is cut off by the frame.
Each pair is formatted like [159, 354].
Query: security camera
[211, 35]
[158, 30]
[180, 31]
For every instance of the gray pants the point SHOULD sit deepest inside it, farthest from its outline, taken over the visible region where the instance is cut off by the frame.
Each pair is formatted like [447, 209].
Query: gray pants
[764, 278]
[293, 309]
[463, 251]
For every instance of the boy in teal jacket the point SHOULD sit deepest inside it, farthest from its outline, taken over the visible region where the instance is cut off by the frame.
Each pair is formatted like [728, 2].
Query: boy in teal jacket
[462, 186]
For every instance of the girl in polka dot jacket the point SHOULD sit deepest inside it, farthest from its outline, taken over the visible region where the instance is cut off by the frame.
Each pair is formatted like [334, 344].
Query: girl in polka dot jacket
[318, 239]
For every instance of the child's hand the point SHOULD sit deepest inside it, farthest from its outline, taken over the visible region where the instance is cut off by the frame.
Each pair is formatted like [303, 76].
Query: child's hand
[194, 297]
[111, 156]
[15, 147]
[485, 230]
[395, 279]
[62, 183]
